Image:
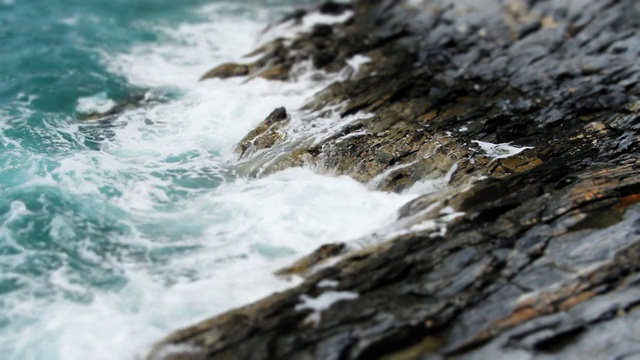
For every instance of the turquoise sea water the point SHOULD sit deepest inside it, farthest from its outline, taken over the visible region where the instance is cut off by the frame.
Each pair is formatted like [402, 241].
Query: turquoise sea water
[113, 233]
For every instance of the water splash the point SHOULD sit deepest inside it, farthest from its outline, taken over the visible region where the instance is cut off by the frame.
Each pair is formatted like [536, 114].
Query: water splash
[114, 233]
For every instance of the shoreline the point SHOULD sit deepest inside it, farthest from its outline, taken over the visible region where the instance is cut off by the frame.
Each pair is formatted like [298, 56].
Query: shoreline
[518, 123]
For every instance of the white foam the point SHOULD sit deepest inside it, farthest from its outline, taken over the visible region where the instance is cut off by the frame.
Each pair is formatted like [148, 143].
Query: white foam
[328, 283]
[247, 229]
[432, 185]
[71, 20]
[500, 151]
[317, 18]
[191, 49]
[98, 103]
[323, 302]
[289, 29]
[357, 61]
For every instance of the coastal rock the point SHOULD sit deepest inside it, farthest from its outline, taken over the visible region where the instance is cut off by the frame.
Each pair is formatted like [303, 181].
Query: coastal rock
[519, 123]
[321, 46]
[518, 257]
[264, 135]
[307, 263]
[225, 71]
[131, 102]
[430, 85]
[334, 8]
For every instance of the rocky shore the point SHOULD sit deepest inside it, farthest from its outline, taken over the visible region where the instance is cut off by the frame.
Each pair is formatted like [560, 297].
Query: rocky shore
[519, 121]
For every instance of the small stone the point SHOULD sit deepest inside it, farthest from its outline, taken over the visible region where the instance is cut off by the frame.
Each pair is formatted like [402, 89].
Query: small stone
[305, 264]
[323, 58]
[276, 72]
[321, 30]
[225, 71]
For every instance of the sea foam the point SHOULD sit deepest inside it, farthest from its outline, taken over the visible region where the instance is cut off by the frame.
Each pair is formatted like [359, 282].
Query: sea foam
[158, 231]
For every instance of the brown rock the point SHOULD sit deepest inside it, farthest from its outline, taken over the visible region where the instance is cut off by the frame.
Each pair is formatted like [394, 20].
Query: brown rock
[225, 71]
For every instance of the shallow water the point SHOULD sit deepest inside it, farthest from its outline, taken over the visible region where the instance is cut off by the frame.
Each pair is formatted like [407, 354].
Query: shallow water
[114, 233]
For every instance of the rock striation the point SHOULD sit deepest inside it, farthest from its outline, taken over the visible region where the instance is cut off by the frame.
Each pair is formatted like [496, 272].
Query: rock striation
[520, 120]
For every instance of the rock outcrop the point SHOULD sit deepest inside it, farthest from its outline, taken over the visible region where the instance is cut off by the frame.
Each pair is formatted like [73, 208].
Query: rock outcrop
[526, 117]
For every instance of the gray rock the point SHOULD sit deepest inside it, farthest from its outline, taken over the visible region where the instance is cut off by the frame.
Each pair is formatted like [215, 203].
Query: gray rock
[545, 260]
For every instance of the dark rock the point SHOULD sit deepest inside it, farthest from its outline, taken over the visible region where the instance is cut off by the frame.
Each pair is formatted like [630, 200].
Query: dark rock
[323, 58]
[533, 255]
[295, 16]
[226, 71]
[276, 115]
[334, 8]
[132, 101]
[264, 135]
[310, 261]
[321, 30]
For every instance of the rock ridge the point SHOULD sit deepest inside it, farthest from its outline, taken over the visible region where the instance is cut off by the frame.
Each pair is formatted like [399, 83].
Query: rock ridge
[519, 123]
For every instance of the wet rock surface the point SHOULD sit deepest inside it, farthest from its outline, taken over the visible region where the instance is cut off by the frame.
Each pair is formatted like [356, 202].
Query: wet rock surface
[525, 119]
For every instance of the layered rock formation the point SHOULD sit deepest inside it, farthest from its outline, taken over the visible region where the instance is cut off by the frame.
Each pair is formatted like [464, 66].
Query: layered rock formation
[520, 121]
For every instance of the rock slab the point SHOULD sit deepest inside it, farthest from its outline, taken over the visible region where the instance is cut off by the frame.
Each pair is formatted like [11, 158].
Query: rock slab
[529, 111]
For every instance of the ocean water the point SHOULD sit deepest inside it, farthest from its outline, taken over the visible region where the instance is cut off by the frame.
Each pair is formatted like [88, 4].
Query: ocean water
[115, 232]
